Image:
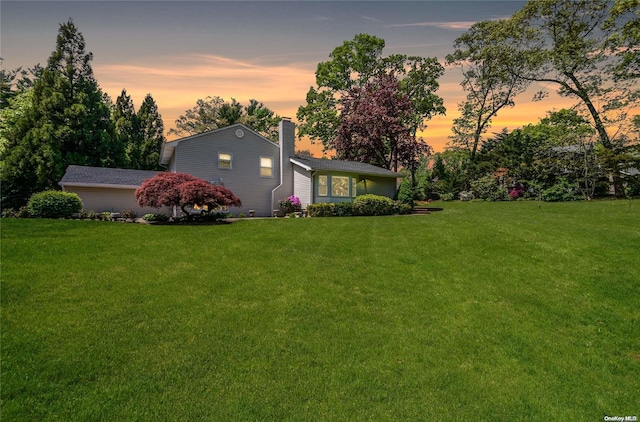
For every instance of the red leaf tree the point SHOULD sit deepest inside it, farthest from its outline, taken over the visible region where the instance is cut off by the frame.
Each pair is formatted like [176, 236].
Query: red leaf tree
[181, 189]
[376, 125]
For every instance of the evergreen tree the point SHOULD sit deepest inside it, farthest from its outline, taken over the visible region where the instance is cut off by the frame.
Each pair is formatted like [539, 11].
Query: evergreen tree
[127, 129]
[151, 134]
[68, 122]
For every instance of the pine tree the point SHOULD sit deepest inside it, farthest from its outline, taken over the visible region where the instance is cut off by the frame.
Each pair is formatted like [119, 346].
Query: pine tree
[151, 134]
[68, 122]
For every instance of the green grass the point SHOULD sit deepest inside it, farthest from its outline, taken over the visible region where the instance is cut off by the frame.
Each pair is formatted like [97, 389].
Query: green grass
[485, 311]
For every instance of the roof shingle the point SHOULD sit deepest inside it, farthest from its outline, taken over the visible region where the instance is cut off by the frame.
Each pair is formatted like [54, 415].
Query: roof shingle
[85, 175]
[343, 166]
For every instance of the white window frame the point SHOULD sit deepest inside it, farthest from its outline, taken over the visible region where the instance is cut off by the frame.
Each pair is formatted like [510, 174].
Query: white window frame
[334, 186]
[325, 191]
[220, 154]
[270, 175]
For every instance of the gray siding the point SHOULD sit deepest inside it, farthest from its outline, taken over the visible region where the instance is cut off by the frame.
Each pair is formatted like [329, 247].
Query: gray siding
[302, 186]
[384, 186]
[199, 156]
[112, 199]
[287, 141]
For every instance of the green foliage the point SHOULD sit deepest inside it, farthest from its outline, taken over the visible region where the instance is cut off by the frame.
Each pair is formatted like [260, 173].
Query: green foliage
[466, 196]
[406, 192]
[155, 217]
[343, 209]
[128, 214]
[488, 188]
[214, 112]
[354, 64]
[321, 209]
[372, 205]
[54, 204]
[63, 120]
[401, 208]
[562, 190]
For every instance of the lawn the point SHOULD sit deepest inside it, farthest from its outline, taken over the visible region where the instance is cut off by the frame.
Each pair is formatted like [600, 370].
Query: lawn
[484, 311]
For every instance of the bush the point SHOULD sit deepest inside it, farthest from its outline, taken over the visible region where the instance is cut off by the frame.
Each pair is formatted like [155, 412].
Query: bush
[446, 197]
[54, 204]
[487, 188]
[466, 195]
[321, 209]
[155, 217]
[22, 212]
[372, 205]
[128, 214]
[343, 209]
[406, 193]
[401, 208]
[561, 191]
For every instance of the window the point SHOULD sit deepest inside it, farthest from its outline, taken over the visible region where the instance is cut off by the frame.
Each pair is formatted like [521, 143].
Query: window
[339, 186]
[266, 167]
[224, 160]
[354, 186]
[323, 186]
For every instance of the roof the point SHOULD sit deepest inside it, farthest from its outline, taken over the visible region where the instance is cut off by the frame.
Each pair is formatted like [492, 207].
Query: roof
[343, 166]
[105, 177]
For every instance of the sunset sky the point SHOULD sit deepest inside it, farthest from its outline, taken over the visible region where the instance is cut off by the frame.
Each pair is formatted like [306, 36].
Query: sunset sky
[180, 51]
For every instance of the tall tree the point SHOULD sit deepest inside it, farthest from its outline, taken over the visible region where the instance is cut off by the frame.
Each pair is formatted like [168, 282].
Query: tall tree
[490, 87]
[353, 65]
[152, 134]
[127, 129]
[213, 113]
[68, 123]
[375, 125]
[569, 43]
[141, 133]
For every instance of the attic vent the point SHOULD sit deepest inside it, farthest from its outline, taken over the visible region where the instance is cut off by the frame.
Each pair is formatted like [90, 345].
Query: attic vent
[239, 133]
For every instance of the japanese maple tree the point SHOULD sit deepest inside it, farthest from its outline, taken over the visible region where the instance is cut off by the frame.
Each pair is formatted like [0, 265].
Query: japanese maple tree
[183, 190]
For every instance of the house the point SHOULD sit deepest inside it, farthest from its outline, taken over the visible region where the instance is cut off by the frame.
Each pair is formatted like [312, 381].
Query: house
[258, 171]
[107, 189]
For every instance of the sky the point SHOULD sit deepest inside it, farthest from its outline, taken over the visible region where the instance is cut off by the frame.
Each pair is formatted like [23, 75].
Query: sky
[181, 51]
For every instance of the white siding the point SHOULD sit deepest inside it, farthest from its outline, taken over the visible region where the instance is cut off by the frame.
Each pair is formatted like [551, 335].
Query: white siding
[302, 185]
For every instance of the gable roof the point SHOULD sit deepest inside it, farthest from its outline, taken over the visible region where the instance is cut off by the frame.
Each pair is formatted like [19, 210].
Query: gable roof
[342, 166]
[166, 151]
[105, 177]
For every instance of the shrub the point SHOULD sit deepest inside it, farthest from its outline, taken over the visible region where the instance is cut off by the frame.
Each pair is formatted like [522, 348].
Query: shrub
[561, 191]
[401, 208]
[106, 215]
[128, 214]
[54, 204]
[290, 204]
[22, 212]
[406, 193]
[446, 197]
[372, 205]
[321, 209]
[155, 217]
[343, 209]
[487, 188]
[466, 195]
